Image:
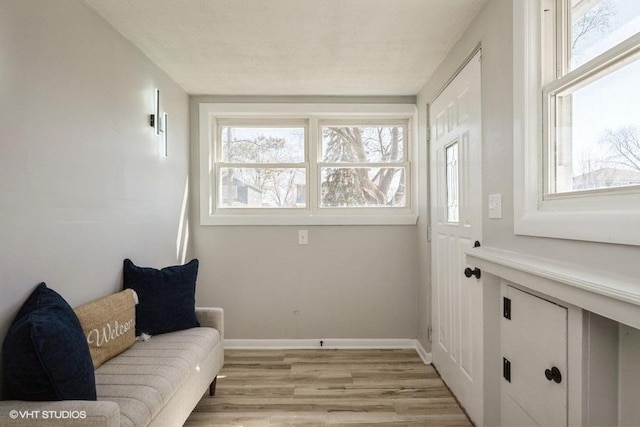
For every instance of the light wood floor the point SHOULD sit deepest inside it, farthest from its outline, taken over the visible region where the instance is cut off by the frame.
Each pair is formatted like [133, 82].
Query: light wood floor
[327, 387]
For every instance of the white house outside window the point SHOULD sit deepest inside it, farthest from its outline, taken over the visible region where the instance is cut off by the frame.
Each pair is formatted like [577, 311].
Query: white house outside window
[306, 164]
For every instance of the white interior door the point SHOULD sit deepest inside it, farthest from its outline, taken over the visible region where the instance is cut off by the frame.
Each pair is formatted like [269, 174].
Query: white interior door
[456, 223]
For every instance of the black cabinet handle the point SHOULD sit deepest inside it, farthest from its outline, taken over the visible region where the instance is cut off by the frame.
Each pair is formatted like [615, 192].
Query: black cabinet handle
[469, 272]
[553, 374]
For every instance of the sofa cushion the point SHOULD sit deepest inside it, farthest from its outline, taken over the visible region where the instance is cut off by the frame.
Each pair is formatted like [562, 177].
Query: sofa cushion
[45, 354]
[109, 325]
[166, 297]
[142, 379]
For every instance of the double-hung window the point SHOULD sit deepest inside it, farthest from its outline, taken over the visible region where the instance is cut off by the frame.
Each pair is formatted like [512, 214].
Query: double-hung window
[281, 164]
[577, 119]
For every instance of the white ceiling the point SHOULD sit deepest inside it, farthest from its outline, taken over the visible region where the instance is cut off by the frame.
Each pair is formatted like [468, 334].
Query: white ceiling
[293, 47]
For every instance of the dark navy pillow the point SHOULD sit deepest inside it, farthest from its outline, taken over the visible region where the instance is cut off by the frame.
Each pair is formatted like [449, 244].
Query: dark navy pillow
[167, 297]
[45, 353]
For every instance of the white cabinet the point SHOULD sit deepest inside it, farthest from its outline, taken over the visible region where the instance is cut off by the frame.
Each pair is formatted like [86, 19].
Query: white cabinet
[601, 350]
[534, 350]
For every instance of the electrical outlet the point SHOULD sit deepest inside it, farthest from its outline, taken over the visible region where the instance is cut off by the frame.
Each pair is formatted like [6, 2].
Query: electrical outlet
[303, 237]
[495, 206]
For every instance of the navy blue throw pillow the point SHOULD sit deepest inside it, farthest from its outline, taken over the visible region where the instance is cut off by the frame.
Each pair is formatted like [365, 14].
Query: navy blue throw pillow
[45, 353]
[167, 297]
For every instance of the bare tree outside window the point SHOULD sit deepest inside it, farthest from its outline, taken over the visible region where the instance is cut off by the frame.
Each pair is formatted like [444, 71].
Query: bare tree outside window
[262, 171]
[358, 166]
[597, 122]
[623, 147]
[593, 21]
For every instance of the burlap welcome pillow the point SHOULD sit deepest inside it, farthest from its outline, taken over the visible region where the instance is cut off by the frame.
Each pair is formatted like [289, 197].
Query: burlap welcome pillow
[109, 324]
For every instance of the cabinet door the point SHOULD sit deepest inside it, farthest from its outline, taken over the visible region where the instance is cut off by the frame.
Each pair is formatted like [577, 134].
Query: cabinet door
[533, 341]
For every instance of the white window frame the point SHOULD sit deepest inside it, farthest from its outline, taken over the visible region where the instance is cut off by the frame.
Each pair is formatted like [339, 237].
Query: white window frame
[315, 115]
[608, 215]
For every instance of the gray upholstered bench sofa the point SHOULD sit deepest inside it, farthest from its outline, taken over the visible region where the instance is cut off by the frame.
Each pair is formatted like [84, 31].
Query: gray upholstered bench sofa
[154, 383]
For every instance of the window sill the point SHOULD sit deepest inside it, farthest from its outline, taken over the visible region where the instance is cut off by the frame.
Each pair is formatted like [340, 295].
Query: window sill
[405, 219]
[593, 226]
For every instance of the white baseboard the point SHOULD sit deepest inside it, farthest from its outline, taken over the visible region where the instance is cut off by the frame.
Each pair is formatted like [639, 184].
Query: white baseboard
[426, 357]
[328, 343]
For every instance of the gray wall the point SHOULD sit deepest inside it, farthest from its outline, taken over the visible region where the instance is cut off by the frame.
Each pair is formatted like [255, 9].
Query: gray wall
[349, 282]
[82, 182]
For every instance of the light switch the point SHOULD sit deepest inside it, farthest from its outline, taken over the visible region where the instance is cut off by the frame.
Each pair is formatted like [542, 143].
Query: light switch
[303, 237]
[495, 206]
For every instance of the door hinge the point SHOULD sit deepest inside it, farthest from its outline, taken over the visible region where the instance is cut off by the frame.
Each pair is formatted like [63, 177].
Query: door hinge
[428, 233]
[506, 369]
[506, 308]
[430, 334]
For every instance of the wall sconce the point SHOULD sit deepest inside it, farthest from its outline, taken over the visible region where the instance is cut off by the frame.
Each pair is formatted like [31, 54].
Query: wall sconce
[159, 122]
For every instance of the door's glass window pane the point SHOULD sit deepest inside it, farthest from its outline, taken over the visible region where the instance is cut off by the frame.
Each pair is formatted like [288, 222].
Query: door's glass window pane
[451, 167]
[262, 144]
[363, 187]
[262, 188]
[599, 25]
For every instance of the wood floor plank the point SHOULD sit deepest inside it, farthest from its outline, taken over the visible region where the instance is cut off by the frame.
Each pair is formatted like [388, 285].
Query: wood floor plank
[302, 388]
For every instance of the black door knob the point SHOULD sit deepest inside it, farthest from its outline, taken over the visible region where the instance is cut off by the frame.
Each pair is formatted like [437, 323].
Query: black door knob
[553, 374]
[469, 272]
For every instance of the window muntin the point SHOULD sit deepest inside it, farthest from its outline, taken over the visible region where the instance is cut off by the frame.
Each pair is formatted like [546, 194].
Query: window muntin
[591, 120]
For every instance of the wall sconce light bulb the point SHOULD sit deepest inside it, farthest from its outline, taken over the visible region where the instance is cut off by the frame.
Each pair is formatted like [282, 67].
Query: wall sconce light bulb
[160, 124]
